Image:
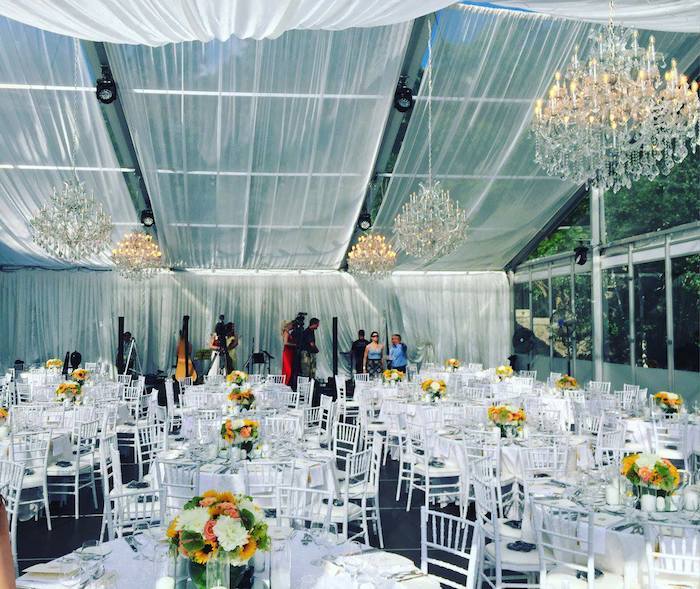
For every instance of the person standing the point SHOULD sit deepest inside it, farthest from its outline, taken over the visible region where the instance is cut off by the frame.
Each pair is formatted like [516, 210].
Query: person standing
[357, 352]
[288, 351]
[398, 353]
[373, 358]
[231, 345]
[309, 349]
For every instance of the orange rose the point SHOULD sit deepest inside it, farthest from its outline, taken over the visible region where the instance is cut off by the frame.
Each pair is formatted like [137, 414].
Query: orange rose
[209, 531]
[245, 431]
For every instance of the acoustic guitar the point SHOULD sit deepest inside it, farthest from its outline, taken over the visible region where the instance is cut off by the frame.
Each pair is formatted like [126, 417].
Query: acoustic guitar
[184, 367]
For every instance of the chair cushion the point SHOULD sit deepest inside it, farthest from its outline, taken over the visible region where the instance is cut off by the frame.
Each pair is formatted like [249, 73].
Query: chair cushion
[338, 513]
[86, 464]
[564, 578]
[514, 560]
[36, 479]
[507, 533]
[450, 469]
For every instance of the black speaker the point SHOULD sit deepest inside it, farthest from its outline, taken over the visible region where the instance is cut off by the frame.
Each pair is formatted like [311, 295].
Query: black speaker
[335, 346]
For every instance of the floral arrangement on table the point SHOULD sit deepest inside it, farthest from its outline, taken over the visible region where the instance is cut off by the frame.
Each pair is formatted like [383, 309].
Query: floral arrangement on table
[504, 372]
[54, 363]
[507, 418]
[218, 525]
[434, 389]
[242, 397]
[668, 402]
[392, 375]
[70, 391]
[4, 415]
[241, 433]
[452, 363]
[650, 474]
[237, 378]
[566, 382]
[80, 375]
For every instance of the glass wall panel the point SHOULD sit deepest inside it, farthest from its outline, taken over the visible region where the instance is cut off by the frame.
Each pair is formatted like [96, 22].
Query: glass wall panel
[665, 202]
[616, 316]
[584, 317]
[540, 326]
[686, 313]
[521, 301]
[574, 229]
[650, 315]
[561, 305]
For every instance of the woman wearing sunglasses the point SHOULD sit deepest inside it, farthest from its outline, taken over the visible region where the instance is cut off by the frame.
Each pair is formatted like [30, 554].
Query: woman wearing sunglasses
[374, 356]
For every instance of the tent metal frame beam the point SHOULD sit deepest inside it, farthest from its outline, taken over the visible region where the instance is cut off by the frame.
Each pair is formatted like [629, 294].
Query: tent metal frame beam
[561, 214]
[120, 134]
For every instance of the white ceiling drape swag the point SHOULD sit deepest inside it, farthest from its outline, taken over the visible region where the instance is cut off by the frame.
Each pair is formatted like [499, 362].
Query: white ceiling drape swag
[489, 67]
[158, 22]
[680, 16]
[43, 314]
[257, 154]
[38, 113]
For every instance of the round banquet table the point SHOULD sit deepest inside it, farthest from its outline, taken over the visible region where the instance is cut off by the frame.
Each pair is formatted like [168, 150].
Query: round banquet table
[312, 567]
[641, 434]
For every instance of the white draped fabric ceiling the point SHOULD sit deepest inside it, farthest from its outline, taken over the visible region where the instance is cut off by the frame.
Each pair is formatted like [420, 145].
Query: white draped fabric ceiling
[158, 22]
[442, 315]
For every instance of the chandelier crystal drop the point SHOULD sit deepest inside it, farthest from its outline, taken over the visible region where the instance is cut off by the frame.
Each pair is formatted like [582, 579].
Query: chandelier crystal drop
[614, 118]
[371, 257]
[137, 256]
[430, 224]
[72, 225]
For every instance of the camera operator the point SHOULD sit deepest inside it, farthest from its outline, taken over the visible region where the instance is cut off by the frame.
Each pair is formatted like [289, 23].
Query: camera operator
[309, 349]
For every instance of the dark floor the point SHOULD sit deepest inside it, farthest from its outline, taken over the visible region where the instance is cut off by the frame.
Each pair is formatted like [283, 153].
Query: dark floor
[36, 544]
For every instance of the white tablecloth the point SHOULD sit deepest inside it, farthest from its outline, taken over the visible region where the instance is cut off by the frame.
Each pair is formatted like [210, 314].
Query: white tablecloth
[641, 433]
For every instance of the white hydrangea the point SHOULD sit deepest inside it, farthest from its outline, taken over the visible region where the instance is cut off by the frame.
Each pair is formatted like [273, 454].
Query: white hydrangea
[435, 385]
[193, 520]
[230, 532]
[250, 506]
[647, 460]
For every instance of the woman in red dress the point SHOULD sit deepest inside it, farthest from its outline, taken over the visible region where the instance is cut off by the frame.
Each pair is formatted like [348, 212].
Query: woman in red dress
[288, 352]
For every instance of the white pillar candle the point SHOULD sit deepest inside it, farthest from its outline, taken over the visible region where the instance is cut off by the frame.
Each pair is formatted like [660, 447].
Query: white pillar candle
[648, 503]
[691, 500]
[165, 583]
[660, 504]
[612, 495]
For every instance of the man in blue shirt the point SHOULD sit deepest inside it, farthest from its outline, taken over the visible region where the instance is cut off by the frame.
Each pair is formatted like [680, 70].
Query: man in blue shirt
[398, 353]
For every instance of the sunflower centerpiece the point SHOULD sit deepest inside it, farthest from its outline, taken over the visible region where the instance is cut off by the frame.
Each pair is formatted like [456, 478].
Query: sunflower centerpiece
[508, 419]
[566, 383]
[241, 434]
[653, 478]
[434, 389]
[218, 526]
[452, 364]
[54, 363]
[80, 375]
[69, 393]
[504, 372]
[392, 376]
[669, 403]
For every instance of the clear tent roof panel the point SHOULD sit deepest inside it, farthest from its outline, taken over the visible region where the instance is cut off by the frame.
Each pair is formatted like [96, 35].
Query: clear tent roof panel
[488, 69]
[275, 139]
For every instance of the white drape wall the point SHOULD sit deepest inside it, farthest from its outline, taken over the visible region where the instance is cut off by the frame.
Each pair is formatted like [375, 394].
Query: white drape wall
[45, 313]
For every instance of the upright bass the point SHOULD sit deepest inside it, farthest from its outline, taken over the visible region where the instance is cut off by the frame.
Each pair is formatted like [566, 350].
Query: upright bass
[184, 367]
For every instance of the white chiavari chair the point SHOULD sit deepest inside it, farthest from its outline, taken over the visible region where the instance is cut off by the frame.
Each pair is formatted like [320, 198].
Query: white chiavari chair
[346, 440]
[131, 513]
[275, 378]
[361, 377]
[553, 378]
[262, 478]
[283, 427]
[566, 548]
[530, 374]
[541, 463]
[436, 479]
[304, 394]
[367, 492]
[178, 482]
[475, 366]
[357, 466]
[81, 469]
[254, 379]
[670, 436]
[290, 399]
[151, 441]
[31, 450]
[596, 386]
[326, 420]
[303, 507]
[609, 446]
[497, 557]
[311, 420]
[11, 478]
[672, 555]
[124, 379]
[91, 367]
[23, 393]
[347, 408]
[450, 549]
[174, 412]
[214, 379]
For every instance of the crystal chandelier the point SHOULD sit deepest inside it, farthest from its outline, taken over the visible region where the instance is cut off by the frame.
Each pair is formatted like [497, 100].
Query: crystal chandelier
[72, 225]
[430, 225]
[372, 256]
[615, 118]
[137, 256]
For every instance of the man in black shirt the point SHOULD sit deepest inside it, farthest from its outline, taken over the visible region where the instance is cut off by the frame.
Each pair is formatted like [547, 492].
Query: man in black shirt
[357, 351]
[309, 349]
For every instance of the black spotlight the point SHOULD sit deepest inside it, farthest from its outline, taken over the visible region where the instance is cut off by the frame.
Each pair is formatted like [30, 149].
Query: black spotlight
[403, 97]
[365, 221]
[581, 255]
[106, 87]
[147, 218]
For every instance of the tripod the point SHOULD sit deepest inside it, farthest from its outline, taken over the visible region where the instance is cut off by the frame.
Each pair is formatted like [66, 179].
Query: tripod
[133, 352]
